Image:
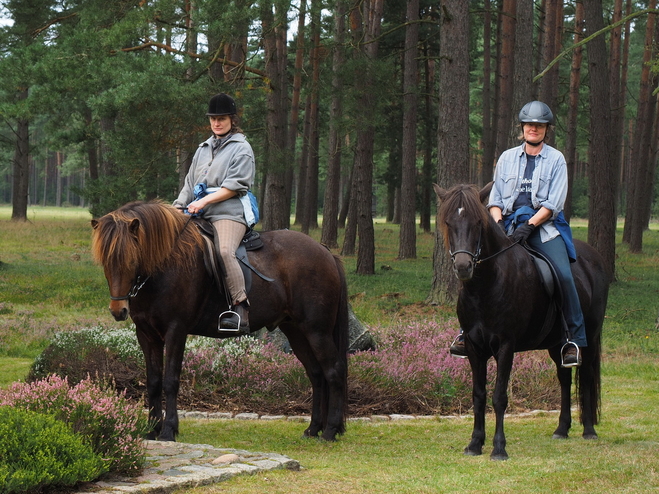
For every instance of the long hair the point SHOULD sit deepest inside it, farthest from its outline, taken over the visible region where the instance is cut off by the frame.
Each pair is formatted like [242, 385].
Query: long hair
[145, 236]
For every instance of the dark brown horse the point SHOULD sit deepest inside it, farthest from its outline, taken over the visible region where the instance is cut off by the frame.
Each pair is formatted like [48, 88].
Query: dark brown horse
[153, 261]
[502, 308]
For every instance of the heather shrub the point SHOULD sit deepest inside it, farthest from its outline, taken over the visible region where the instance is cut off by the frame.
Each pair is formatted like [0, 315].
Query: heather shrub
[110, 354]
[109, 423]
[38, 451]
[410, 372]
[413, 372]
[244, 373]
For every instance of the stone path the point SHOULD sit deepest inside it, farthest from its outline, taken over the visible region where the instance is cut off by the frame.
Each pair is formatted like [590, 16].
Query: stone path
[172, 466]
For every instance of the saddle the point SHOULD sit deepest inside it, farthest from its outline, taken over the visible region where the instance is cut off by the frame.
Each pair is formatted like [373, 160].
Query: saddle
[213, 261]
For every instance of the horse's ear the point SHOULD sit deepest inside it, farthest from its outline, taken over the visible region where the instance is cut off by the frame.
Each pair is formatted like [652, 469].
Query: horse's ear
[441, 193]
[485, 192]
[134, 227]
[94, 224]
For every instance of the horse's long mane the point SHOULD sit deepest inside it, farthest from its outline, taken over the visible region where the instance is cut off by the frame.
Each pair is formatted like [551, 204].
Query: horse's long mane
[467, 198]
[148, 236]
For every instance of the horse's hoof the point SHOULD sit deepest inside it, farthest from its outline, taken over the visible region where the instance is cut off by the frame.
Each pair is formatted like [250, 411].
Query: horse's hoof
[499, 456]
[559, 436]
[470, 452]
[591, 436]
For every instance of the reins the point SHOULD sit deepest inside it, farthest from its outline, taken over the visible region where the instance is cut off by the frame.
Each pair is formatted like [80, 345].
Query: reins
[476, 257]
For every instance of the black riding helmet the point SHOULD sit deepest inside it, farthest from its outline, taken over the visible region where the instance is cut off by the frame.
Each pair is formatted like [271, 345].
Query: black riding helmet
[221, 104]
[536, 112]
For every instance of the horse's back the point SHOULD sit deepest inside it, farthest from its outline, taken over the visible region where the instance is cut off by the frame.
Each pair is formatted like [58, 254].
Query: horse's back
[309, 281]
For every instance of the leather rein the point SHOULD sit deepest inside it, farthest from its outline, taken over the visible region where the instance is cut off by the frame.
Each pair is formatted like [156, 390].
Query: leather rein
[475, 257]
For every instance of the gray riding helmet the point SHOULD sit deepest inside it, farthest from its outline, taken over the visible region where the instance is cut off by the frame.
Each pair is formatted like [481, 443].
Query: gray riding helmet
[536, 112]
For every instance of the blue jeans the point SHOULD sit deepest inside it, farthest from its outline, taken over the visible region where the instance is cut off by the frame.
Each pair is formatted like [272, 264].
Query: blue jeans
[556, 252]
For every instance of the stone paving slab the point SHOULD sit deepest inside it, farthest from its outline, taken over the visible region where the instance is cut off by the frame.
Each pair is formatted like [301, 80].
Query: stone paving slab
[171, 466]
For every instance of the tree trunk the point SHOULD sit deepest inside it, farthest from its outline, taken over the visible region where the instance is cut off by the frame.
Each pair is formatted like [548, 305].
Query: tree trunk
[603, 173]
[487, 164]
[407, 242]
[523, 67]
[505, 75]
[573, 108]
[329, 235]
[551, 48]
[276, 214]
[633, 230]
[453, 130]
[368, 24]
[310, 216]
[427, 194]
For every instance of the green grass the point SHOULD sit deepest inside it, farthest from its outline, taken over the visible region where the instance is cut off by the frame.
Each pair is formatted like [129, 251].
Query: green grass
[425, 456]
[48, 283]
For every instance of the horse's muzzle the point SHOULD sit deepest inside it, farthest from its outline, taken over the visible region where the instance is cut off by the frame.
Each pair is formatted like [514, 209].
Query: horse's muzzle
[463, 266]
[119, 310]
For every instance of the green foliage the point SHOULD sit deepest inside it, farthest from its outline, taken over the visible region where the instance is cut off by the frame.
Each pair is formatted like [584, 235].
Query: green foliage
[580, 198]
[38, 451]
[111, 424]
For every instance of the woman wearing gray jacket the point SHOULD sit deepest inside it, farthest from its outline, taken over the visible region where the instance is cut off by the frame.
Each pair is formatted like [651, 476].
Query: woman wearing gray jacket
[225, 165]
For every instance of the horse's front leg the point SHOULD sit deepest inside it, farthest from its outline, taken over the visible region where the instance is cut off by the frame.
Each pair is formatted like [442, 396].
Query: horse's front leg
[175, 348]
[153, 358]
[479, 397]
[565, 381]
[500, 399]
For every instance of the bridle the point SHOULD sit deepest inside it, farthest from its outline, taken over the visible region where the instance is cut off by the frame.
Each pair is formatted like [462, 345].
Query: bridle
[137, 286]
[475, 257]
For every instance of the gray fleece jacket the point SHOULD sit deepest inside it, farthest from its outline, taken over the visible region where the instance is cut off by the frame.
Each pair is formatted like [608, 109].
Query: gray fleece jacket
[232, 167]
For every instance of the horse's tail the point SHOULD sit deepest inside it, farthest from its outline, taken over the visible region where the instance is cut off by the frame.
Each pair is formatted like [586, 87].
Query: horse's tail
[589, 384]
[341, 335]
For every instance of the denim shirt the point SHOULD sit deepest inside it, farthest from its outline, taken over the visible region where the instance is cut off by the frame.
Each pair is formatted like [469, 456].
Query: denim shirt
[548, 184]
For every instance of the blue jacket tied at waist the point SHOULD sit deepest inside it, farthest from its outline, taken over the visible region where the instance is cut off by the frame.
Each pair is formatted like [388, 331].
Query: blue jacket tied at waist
[525, 213]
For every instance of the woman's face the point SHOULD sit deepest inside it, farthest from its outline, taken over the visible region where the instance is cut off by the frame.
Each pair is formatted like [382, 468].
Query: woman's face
[220, 124]
[534, 132]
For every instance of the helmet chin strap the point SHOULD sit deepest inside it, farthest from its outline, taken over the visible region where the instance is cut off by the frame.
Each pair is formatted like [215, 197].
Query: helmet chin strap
[534, 144]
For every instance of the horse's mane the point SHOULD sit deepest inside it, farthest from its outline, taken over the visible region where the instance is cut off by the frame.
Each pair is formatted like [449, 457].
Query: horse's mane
[161, 237]
[466, 197]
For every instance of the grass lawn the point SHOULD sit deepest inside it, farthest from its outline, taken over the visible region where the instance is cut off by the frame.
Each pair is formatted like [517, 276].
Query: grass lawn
[425, 456]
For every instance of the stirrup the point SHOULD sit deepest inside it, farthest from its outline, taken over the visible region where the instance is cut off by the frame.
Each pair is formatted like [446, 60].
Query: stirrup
[233, 315]
[571, 364]
[457, 355]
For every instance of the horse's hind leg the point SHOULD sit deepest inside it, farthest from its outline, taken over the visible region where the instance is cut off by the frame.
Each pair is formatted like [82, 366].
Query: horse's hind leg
[565, 381]
[327, 375]
[314, 371]
[588, 388]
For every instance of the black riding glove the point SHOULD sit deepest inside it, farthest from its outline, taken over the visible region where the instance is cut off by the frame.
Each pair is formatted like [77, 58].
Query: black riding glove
[502, 225]
[522, 233]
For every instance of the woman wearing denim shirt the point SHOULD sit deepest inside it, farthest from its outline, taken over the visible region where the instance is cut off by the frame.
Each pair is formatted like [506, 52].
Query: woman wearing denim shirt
[527, 200]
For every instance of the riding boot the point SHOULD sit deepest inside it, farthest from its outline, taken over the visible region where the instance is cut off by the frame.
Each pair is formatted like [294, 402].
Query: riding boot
[239, 312]
[457, 348]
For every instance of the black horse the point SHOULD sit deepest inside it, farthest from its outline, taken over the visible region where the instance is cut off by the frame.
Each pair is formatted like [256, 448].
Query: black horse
[153, 260]
[503, 306]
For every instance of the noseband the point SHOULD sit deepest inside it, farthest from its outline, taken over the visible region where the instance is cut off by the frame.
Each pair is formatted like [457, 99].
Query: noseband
[475, 258]
[139, 283]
